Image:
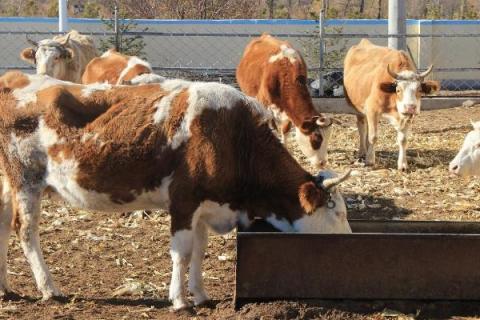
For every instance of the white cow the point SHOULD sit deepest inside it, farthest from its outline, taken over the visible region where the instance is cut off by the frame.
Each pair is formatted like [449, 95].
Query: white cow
[467, 160]
[63, 57]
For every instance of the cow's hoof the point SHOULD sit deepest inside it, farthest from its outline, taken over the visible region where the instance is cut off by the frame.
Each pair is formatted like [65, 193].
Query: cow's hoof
[55, 295]
[200, 297]
[209, 304]
[180, 305]
[183, 310]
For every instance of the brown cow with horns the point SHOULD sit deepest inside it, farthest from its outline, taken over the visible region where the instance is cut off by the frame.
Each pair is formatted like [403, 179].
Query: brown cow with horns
[276, 74]
[203, 151]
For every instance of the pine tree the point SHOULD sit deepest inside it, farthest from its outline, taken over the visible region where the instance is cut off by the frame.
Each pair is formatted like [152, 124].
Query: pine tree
[132, 45]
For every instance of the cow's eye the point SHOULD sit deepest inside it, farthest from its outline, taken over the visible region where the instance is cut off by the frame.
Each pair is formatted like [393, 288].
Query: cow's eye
[477, 145]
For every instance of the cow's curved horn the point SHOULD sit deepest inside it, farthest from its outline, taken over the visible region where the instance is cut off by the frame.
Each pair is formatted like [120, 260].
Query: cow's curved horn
[33, 43]
[426, 73]
[66, 39]
[332, 182]
[324, 122]
[393, 74]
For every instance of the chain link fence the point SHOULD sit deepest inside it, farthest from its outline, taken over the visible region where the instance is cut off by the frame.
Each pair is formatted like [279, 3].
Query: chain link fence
[211, 49]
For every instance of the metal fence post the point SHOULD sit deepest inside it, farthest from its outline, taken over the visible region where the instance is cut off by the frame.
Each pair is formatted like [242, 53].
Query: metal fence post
[62, 16]
[321, 32]
[116, 29]
[397, 24]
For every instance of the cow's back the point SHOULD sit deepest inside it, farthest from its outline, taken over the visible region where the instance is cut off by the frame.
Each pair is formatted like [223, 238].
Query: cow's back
[365, 68]
[254, 63]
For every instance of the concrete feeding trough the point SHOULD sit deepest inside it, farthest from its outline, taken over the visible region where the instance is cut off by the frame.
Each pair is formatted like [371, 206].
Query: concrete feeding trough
[381, 260]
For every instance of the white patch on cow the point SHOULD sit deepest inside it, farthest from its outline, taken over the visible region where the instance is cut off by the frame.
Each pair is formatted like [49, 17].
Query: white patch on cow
[175, 84]
[47, 136]
[38, 82]
[409, 90]
[281, 224]
[209, 95]
[132, 62]
[27, 150]
[467, 161]
[163, 106]
[324, 219]
[219, 217]
[147, 78]
[62, 175]
[90, 89]
[317, 157]
[285, 52]
[106, 54]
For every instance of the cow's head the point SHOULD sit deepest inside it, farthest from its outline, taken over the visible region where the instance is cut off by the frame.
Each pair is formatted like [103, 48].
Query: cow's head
[467, 161]
[408, 87]
[312, 138]
[325, 208]
[51, 57]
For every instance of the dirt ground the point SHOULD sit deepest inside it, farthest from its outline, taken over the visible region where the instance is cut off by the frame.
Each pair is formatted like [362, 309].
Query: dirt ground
[114, 266]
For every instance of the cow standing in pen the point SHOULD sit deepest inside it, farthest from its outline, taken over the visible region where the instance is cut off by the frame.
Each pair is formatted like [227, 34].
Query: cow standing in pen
[383, 82]
[276, 74]
[63, 57]
[203, 151]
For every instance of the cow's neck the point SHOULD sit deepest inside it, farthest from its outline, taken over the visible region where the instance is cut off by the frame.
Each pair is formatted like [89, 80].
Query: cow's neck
[270, 181]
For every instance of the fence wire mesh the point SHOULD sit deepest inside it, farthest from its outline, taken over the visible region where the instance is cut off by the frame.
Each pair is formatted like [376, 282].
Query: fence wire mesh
[211, 50]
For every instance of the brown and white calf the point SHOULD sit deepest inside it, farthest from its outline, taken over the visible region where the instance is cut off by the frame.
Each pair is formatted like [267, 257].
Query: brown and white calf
[116, 68]
[63, 57]
[203, 151]
[378, 82]
[276, 74]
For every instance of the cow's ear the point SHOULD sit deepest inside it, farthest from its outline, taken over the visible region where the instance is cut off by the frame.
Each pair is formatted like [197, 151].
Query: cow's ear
[388, 87]
[69, 54]
[28, 55]
[430, 86]
[309, 125]
[311, 197]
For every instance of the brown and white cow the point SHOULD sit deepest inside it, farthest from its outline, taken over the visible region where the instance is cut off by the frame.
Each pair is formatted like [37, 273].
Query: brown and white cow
[116, 68]
[383, 82]
[203, 151]
[63, 57]
[276, 74]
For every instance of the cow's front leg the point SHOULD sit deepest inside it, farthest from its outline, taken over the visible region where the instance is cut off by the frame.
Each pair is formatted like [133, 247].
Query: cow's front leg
[5, 229]
[26, 206]
[402, 135]
[181, 252]
[372, 121]
[195, 281]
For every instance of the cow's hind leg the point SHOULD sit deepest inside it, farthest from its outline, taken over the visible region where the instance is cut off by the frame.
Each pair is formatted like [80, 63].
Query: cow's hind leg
[362, 132]
[26, 205]
[195, 281]
[5, 230]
